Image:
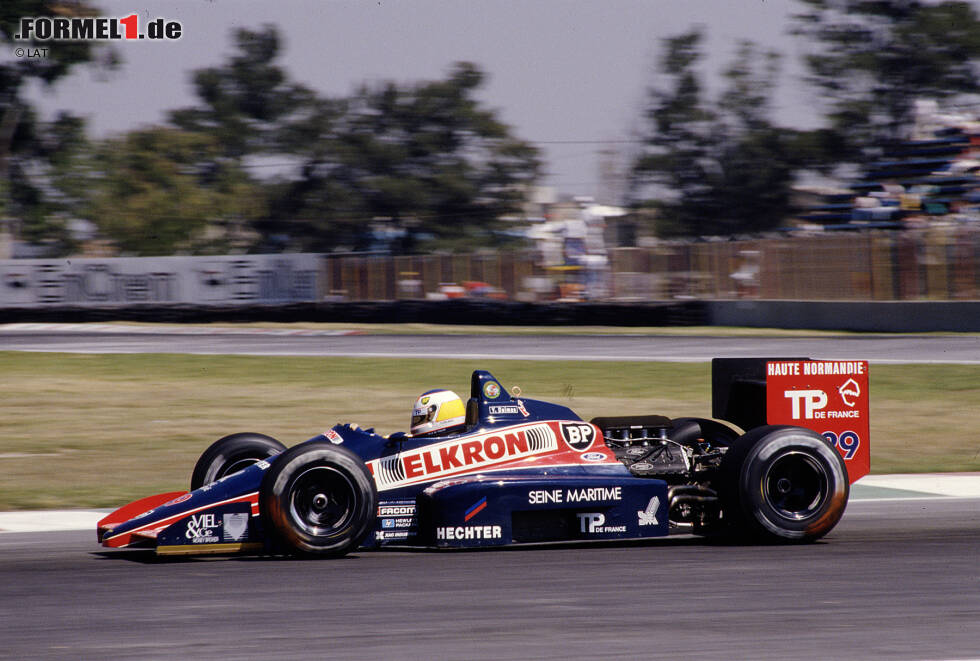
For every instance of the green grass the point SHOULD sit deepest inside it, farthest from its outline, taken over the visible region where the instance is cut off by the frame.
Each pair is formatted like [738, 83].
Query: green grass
[100, 430]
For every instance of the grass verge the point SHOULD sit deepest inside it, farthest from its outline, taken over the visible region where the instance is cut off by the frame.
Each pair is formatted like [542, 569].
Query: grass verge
[100, 430]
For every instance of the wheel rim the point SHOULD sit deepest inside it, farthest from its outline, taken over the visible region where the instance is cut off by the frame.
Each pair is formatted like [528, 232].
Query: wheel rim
[235, 466]
[322, 501]
[795, 485]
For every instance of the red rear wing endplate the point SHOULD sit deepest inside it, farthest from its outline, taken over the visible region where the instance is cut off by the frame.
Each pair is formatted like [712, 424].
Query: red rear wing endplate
[827, 396]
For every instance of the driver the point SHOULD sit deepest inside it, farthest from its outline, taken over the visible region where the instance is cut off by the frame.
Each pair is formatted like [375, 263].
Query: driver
[437, 412]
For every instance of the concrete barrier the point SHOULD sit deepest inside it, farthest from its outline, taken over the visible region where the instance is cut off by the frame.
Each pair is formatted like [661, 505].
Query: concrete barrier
[866, 316]
[870, 316]
[456, 311]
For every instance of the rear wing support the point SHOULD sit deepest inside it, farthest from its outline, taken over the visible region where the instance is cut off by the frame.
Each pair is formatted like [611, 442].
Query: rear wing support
[738, 390]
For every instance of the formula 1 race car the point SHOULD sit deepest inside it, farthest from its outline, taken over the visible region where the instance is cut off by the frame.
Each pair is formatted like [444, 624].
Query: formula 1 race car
[528, 471]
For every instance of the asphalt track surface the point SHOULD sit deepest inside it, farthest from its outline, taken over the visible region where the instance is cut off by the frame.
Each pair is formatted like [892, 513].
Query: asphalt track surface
[876, 348]
[897, 580]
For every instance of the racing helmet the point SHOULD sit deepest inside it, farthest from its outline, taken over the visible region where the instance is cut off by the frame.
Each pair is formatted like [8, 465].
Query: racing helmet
[437, 410]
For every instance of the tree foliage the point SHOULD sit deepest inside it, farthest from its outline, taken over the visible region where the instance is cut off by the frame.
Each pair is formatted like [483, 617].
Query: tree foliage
[248, 103]
[423, 158]
[33, 152]
[720, 166]
[44, 189]
[872, 60]
[714, 167]
[59, 61]
[156, 191]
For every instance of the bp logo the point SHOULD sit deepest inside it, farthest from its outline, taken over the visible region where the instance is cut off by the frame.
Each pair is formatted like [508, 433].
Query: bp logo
[579, 435]
[491, 390]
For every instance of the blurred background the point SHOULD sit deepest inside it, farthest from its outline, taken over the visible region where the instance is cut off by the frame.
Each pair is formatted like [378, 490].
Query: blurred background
[559, 150]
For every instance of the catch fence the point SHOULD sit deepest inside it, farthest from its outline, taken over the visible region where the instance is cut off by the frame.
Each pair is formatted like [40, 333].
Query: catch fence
[941, 265]
[930, 265]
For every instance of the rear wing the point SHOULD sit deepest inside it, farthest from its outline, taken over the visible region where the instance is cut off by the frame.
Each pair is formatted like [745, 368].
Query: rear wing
[828, 396]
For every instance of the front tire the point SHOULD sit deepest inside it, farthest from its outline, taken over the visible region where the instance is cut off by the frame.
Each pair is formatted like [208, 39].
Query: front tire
[231, 454]
[783, 483]
[318, 499]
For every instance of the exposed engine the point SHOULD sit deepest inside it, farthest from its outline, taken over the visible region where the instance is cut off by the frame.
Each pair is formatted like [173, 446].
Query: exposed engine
[674, 451]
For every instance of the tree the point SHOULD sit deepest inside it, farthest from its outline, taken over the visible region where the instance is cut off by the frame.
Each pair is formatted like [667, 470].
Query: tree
[715, 168]
[157, 191]
[425, 159]
[30, 150]
[874, 59]
[247, 104]
[678, 137]
[48, 202]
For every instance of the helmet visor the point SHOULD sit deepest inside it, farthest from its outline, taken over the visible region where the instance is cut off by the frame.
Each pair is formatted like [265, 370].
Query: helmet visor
[421, 416]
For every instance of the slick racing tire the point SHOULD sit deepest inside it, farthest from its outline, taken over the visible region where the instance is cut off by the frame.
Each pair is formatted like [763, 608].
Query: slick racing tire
[318, 499]
[687, 430]
[783, 483]
[231, 454]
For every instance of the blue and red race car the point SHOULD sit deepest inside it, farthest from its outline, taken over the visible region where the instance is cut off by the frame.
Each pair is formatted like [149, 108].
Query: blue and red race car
[528, 471]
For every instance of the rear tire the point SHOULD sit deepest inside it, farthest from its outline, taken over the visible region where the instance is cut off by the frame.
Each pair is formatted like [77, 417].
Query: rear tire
[318, 499]
[231, 454]
[783, 483]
